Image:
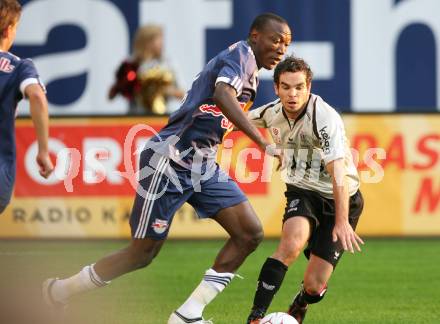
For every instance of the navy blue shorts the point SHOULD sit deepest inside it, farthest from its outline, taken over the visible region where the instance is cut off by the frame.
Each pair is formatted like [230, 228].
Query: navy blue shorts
[6, 184]
[164, 186]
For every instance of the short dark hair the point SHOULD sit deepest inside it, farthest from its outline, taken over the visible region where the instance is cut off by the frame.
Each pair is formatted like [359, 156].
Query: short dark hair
[10, 11]
[261, 21]
[292, 64]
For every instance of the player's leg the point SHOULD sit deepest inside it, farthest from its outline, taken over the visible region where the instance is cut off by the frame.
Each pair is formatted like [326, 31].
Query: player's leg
[295, 233]
[314, 287]
[151, 217]
[316, 276]
[137, 255]
[246, 233]
[299, 223]
[2, 208]
[224, 202]
[324, 255]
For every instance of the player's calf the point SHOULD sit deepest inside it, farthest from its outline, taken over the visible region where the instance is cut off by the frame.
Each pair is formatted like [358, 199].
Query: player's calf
[141, 256]
[269, 282]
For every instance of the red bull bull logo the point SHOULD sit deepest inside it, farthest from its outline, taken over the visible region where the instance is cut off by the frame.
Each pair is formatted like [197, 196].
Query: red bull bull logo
[159, 226]
[211, 109]
[216, 112]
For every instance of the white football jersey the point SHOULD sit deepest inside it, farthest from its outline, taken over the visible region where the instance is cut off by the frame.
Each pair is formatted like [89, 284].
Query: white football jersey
[315, 138]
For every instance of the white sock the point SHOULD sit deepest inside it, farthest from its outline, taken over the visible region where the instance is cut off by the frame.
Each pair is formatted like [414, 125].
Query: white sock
[212, 284]
[83, 281]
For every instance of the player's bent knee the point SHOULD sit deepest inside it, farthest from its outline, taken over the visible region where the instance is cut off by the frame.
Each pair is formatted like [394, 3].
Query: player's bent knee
[289, 251]
[294, 249]
[258, 237]
[143, 262]
[290, 256]
[249, 242]
[143, 259]
[143, 255]
[255, 239]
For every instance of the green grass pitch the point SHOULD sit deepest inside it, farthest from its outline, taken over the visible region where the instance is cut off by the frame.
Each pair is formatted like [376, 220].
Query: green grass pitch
[391, 281]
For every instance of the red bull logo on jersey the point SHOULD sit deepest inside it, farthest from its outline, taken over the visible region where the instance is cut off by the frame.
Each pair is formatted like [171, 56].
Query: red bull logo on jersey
[216, 112]
[5, 65]
[211, 109]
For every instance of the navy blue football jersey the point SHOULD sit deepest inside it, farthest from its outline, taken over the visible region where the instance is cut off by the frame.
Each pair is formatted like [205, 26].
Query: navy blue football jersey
[199, 125]
[15, 75]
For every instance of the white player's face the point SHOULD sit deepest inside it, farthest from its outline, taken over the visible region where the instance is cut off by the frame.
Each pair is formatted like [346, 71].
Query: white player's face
[293, 91]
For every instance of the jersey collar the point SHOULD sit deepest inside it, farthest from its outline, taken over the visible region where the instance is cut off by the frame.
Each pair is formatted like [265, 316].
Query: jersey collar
[301, 115]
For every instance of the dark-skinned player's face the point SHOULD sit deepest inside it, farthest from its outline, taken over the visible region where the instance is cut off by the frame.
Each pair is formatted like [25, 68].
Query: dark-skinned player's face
[270, 43]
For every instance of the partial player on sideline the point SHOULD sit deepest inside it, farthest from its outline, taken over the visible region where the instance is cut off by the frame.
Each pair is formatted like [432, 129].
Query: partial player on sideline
[18, 79]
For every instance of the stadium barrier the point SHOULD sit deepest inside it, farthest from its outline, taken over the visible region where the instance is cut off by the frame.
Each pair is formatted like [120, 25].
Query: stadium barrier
[91, 193]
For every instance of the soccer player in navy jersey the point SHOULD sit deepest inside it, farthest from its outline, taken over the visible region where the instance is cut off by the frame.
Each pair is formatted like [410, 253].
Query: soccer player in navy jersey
[178, 166]
[18, 79]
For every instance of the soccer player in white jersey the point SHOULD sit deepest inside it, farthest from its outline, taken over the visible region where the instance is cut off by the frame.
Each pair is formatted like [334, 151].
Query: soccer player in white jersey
[323, 198]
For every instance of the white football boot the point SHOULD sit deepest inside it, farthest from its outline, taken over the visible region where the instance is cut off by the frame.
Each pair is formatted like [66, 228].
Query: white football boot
[176, 318]
[47, 295]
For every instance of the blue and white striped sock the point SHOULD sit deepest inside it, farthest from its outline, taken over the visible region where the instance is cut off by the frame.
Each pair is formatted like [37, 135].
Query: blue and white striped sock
[212, 284]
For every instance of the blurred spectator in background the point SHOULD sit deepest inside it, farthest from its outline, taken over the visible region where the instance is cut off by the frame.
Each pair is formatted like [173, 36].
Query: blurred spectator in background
[146, 79]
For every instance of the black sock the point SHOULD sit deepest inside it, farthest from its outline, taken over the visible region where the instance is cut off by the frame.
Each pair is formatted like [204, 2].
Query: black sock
[271, 276]
[304, 298]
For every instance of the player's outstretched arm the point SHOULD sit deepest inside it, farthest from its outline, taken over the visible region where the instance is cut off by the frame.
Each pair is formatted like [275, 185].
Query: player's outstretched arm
[225, 98]
[40, 119]
[342, 230]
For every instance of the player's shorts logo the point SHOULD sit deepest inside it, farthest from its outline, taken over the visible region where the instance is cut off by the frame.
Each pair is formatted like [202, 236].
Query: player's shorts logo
[293, 206]
[5, 65]
[160, 226]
